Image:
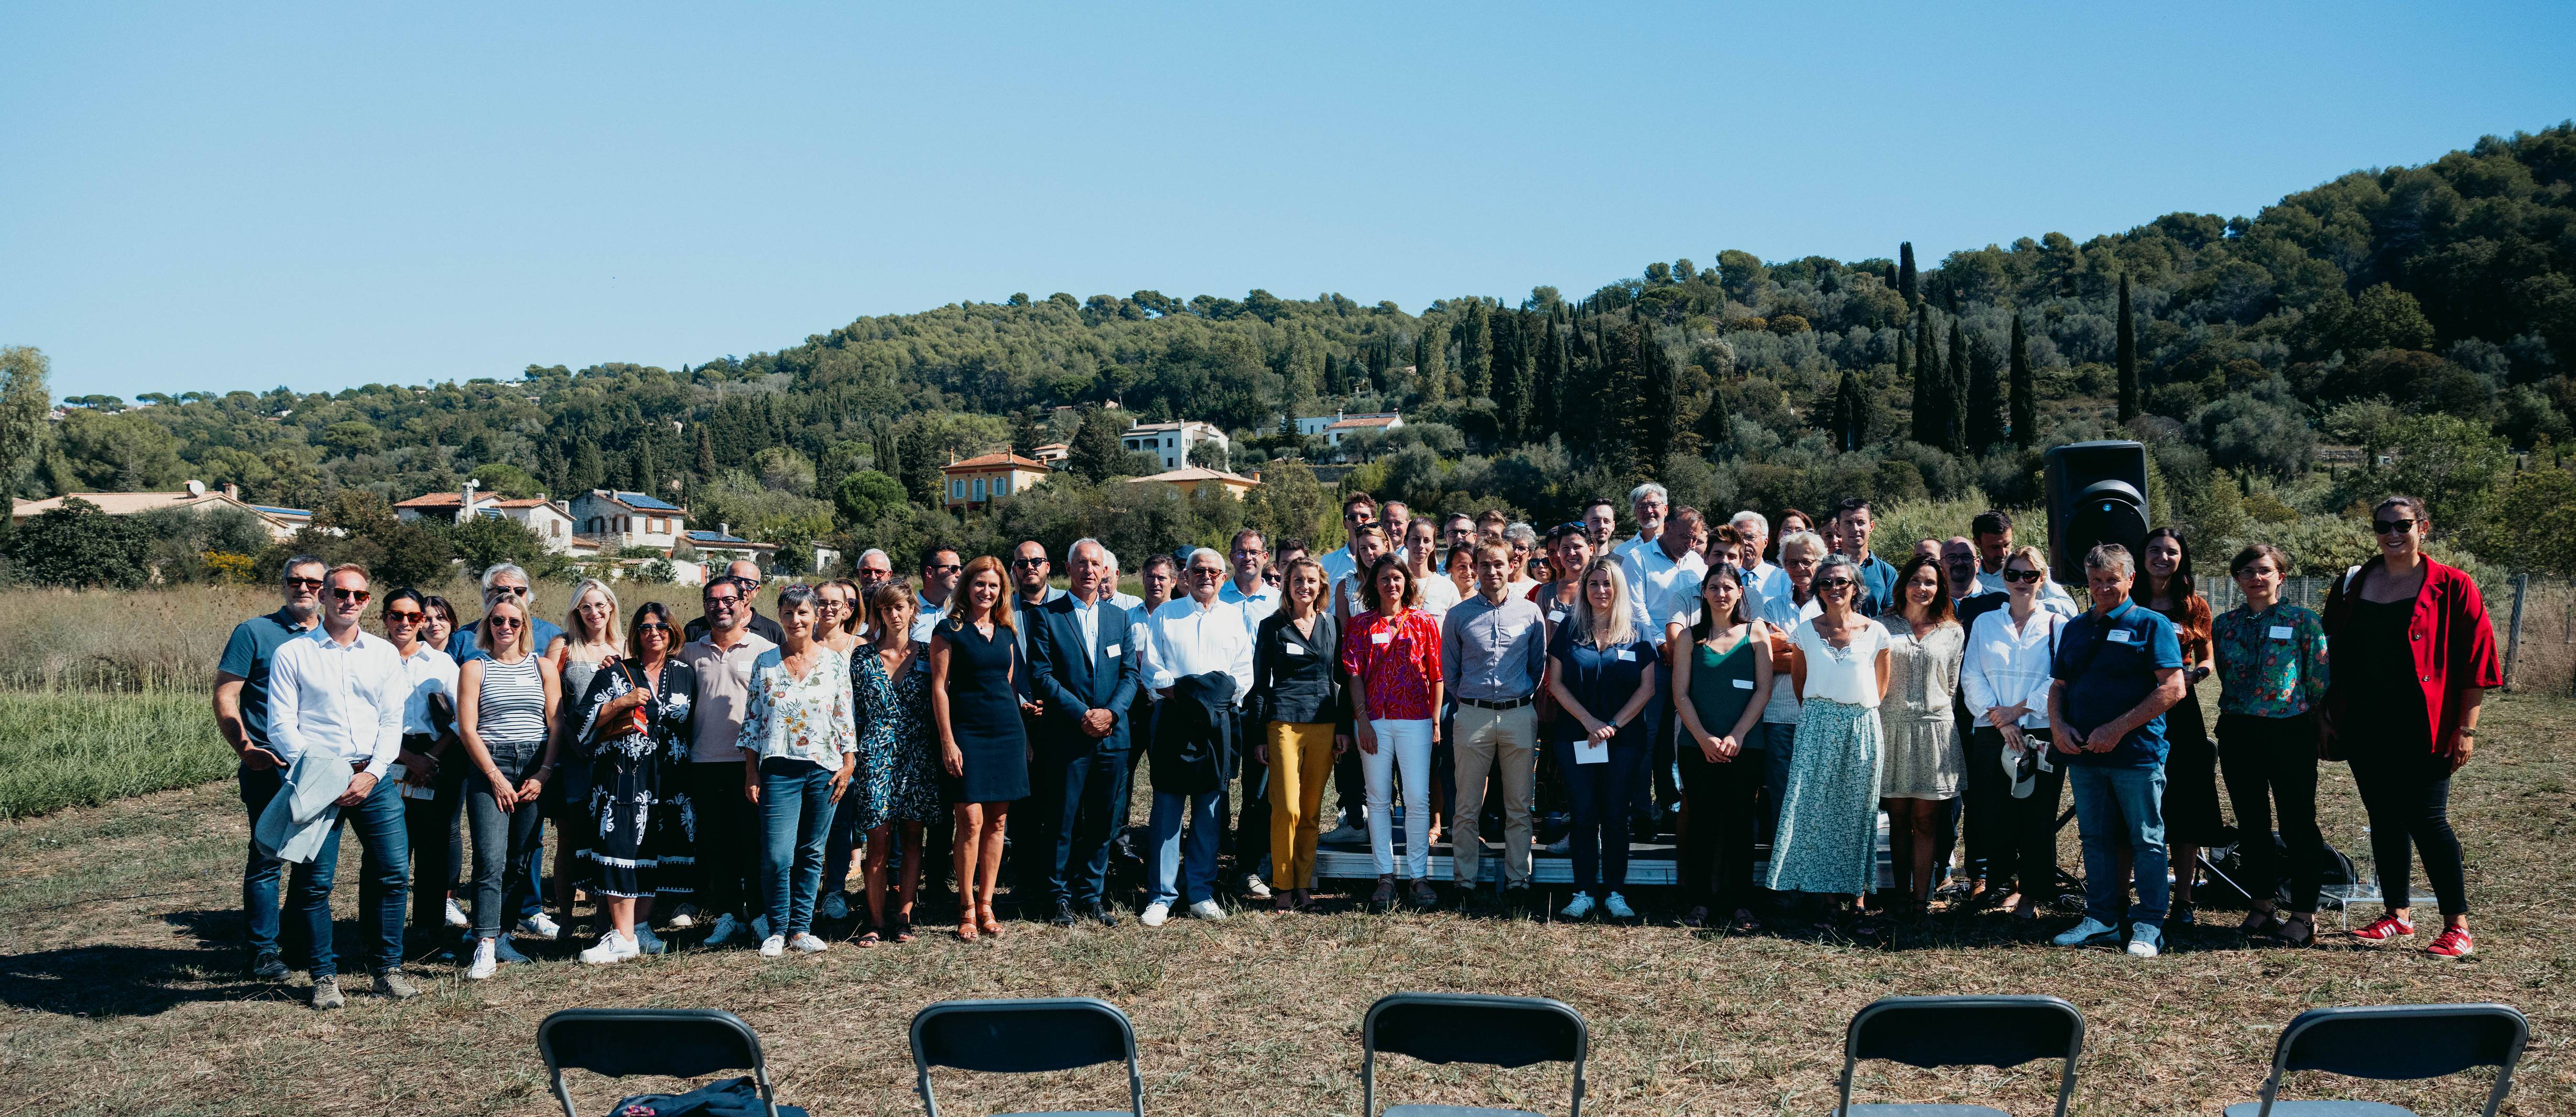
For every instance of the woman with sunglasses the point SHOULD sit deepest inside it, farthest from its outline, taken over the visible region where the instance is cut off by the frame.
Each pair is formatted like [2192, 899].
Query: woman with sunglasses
[2004, 678]
[430, 765]
[632, 731]
[505, 701]
[2271, 681]
[1827, 842]
[436, 628]
[591, 641]
[2413, 653]
[2192, 819]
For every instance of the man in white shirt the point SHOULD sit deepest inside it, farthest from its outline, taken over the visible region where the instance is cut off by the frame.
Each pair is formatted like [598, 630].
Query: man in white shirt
[1601, 524]
[1663, 582]
[339, 693]
[1752, 534]
[1993, 531]
[940, 568]
[1357, 509]
[1648, 503]
[1397, 518]
[1194, 635]
[1250, 837]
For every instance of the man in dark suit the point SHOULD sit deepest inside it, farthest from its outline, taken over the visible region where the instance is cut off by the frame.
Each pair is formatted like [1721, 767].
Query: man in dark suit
[1085, 676]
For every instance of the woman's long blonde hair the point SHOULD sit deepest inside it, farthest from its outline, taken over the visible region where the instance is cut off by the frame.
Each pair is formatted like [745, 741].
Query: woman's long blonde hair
[1614, 630]
[611, 634]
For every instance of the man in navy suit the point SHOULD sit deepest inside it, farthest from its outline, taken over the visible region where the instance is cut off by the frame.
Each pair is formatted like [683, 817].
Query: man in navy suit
[1085, 678]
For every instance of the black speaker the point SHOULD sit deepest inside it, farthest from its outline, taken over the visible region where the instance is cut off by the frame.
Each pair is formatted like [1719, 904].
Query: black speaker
[2097, 493]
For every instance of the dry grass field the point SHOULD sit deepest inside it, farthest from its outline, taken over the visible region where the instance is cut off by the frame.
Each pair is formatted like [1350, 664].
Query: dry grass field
[123, 992]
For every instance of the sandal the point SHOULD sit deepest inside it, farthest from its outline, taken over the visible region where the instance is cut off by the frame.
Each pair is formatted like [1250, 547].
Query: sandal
[869, 938]
[966, 926]
[2305, 935]
[903, 931]
[2264, 922]
[984, 919]
[1745, 923]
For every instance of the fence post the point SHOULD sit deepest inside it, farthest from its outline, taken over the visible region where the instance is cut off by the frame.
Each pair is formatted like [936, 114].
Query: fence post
[2513, 635]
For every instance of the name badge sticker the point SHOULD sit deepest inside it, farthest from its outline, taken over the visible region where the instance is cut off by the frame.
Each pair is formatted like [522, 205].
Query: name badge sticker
[1294, 649]
[1381, 638]
[1627, 655]
[2280, 632]
[2120, 636]
[1111, 651]
[1556, 616]
[1743, 684]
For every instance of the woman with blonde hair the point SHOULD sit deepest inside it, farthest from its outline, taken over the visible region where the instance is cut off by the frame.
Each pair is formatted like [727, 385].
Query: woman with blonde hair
[974, 659]
[591, 641]
[1600, 669]
[505, 706]
[2004, 678]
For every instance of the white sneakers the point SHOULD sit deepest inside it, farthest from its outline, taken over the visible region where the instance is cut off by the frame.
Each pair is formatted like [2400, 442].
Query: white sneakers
[1206, 909]
[807, 943]
[2089, 931]
[1617, 907]
[684, 918]
[2145, 941]
[456, 915]
[1155, 913]
[835, 906]
[773, 946]
[726, 930]
[541, 927]
[612, 949]
[1255, 887]
[484, 964]
[1581, 908]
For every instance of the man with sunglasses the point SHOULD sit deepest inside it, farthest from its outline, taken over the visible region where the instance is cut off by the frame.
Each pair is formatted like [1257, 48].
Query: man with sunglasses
[1992, 532]
[728, 846]
[336, 696]
[504, 581]
[241, 716]
[940, 569]
[1257, 597]
[1031, 832]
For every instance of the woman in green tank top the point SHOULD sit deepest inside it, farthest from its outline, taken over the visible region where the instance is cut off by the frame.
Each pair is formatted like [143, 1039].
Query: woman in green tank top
[1723, 681]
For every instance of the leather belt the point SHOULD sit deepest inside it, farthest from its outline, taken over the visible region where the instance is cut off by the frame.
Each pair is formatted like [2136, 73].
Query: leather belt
[1505, 704]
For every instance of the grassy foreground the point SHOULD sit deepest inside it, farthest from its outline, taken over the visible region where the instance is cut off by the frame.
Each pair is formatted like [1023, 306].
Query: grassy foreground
[122, 992]
[83, 749]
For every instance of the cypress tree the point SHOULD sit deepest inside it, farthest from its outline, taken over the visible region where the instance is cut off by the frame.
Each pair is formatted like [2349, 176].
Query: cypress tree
[1512, 375]
[1930, 386]
[1715, 426]
[1547, 384]
[1657, 375]
[2025, 389]
[1476, 351]
[1985, 398]
[1954, 413]
[1908, 281]
[2128, 350]
[1430, 376]
[1848, 419]
[648, 479]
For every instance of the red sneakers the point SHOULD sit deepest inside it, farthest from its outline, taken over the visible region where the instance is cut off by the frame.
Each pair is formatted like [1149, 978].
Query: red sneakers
[2388, 927]
[2453, 943]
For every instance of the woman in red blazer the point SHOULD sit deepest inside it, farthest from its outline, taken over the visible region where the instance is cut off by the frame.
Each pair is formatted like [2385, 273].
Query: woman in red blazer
[2413, 654]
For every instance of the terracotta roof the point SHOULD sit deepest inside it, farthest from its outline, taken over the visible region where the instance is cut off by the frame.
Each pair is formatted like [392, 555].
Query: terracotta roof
[451, 500]
[1364, 421]
[1193, 473]
[996, 461]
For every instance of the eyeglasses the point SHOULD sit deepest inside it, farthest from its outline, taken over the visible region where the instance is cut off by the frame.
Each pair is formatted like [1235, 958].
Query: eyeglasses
[503, 622]
[1833, 583]
[305, 583]
[514, 591]
[2392, 527]
[405, 616]
[652, 626]
[359, 596]
[722, 602]
[2021, 575]
[1206, 572]
[1249, 552]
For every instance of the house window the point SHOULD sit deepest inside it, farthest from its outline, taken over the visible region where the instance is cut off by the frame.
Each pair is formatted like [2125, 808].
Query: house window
[979, 488]
[957, 489]
[655, 524]
[1002, 485]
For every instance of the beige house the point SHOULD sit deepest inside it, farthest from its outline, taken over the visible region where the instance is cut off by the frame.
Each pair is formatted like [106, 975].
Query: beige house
[1188, 480]
[280, 522]
[974, 482]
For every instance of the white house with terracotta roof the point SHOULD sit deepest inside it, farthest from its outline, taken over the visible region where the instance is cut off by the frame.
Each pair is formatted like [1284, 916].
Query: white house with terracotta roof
[1187, 479]
[1171, 442]
[1052, 453]
[280, 522]
[619, 519]
[1338, 424]
[550, 520]
[977, 480]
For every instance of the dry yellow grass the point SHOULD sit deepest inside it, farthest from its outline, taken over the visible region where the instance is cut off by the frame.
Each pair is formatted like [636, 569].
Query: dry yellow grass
[122, 992]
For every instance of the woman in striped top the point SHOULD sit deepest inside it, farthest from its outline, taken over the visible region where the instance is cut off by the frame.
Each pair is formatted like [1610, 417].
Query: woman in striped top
[505, 702]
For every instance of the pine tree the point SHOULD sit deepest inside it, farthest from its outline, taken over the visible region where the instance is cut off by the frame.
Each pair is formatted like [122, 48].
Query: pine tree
[1954, 413]
[2128, 356]
[2025, 389]
[1985, 398]
[1908, 281]
[1024, 432]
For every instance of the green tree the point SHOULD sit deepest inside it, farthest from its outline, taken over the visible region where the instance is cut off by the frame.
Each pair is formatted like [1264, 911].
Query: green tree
[2025, 389]
[1985, 397]
[2383, 317]
[23, 407]
[351, 438]
[121, 452]
[1715, 426]
[76, 546]
[866, 495]
[1908, 281]
[2126, 341]
[1430, 369]
[1097, 453]
[505, 480]
[1954, 393]
[2540, 535]
[487, 541]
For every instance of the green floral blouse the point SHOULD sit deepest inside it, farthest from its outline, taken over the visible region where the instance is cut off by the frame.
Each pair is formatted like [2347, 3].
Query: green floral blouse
[2271, 664]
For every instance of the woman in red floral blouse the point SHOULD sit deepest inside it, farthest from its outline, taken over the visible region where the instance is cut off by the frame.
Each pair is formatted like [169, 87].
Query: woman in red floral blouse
[1392, 653]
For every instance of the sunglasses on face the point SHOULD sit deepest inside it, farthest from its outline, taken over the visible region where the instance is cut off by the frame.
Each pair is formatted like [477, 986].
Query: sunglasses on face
[359, 596]
[722, 602]
[304, 583]
[2020, 575]
[514, 591]
[1833, 583]
[2392, 527]
[405, 616]
[945, 567]
[652, 626]
[503, 622]
[1028, 563]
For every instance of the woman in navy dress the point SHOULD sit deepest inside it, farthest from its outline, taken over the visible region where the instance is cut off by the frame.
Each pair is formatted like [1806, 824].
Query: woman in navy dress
[985, 753]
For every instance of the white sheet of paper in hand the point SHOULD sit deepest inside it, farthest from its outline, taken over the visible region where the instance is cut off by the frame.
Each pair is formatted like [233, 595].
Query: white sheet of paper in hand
[1590, 751]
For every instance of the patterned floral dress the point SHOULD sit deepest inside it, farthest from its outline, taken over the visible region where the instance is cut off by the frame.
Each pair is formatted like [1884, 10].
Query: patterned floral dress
[897, 781]
[642, 823]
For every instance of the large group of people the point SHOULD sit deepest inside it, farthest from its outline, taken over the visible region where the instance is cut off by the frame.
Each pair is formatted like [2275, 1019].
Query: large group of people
[1458, 680]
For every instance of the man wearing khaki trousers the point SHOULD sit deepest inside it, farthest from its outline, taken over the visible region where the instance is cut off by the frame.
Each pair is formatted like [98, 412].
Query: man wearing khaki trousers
[1493, 652]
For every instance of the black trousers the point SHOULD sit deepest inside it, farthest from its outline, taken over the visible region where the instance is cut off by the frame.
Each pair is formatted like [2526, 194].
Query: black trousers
[1720, 823]
[728, 841]
[2027, 849]
[1984, 808]
[1252, 805]
[437, 841]
[2269, 762]
[2406, 789]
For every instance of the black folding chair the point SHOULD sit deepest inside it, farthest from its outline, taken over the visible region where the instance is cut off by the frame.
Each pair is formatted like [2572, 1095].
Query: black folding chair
[1470, 1028]
[672, 1042]
[2391, 1042]
[1026, 1036]
[1958, 1032]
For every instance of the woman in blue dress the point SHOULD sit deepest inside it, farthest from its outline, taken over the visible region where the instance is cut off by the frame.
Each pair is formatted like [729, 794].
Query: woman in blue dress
[983, 749]
[898, 780]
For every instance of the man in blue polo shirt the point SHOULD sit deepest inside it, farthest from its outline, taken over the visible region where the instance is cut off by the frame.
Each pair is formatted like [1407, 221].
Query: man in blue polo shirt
[2118, 669]
[241, 715]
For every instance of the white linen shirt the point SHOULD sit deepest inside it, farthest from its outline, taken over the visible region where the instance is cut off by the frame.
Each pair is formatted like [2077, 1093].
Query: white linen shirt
[1661, 587]
[2052, 597]
[426, 672]
[2009, 666]
[343, 699]
[1189, 640]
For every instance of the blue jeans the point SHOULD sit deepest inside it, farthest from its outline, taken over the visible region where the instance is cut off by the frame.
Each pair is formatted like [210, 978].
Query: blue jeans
[2115, 808]
[795, 817]
[259, 874]
[1169, 864]
[383, 886]
[507, 844]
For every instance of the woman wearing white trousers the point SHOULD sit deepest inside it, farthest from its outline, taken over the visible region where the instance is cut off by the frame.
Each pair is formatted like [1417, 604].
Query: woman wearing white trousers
[1392, 654]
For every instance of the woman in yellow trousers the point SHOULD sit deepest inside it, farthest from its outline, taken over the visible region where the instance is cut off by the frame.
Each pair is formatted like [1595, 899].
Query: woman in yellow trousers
[1297, 698]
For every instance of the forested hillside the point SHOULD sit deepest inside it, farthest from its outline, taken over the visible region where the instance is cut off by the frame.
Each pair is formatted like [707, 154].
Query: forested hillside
[2425, 314]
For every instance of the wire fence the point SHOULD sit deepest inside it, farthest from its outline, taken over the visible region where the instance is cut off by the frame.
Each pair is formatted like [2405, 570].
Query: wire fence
[2534, 620]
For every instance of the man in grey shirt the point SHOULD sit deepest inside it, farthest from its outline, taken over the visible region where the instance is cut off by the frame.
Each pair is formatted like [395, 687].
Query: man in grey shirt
[1493, 652]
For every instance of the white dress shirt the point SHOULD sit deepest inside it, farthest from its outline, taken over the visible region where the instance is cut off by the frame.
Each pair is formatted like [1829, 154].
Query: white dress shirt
[426, 672]
[1661, 587]
[343, 699]
[1189, 640]
[1625, 547]
[1768, 580]
[1127, 601]
[2008, 665]
[2052, 597]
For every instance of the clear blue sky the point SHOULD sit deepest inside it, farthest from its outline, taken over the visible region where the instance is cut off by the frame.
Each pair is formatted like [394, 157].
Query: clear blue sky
[240, 196]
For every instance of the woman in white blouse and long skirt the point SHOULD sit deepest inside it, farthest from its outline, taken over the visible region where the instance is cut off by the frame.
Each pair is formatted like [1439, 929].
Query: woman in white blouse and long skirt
[1827, 843]
[2004, 674]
